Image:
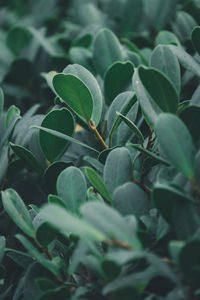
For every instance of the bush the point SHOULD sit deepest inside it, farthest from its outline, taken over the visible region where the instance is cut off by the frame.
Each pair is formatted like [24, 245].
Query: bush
[100, 149]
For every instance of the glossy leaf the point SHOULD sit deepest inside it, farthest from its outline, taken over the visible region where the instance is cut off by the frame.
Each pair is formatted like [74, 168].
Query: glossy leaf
[176, 143]
[164, 96]
[61, 121]
[28, 157]
[65, 137]
[106, 50]
[17, 211]
[74, 93]
[98, 183]
[117, 78]
[72, 188]
[90, 81]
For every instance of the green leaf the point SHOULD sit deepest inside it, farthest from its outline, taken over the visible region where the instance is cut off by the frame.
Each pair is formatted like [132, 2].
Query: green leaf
[60, 120]
[154, 100]
[17, 211]
[1, 101]
[74, 93]
[12, 112]
[176, 143]
[160, 12]
[106, 50]
[45, 234]
[166, 198]
[34, 252]
[18, 38]
[186, 60]
[166, 61]
[149, 153]
[28, 157]
[67, 224]
[118, 168]
[51, 174]
[134, 128]
[165, 37]
[195, 36]
[191, 117]
[110, 222]
[65, 137]
[183, 25]
[98, 183]
[124, 102]
[91, 83]
[117, 78]
[129, 198]
[72, 188]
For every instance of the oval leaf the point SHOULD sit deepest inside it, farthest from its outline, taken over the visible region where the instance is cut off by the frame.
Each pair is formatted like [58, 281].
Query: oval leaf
[62, 121]
[74, 93]
[176, 143]
[72, 188]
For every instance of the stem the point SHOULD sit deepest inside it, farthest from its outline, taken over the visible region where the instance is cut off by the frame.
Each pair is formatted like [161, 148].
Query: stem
[99, 137]
[142, 185]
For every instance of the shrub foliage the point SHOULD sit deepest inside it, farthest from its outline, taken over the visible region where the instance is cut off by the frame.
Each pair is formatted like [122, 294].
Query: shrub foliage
[100, 149]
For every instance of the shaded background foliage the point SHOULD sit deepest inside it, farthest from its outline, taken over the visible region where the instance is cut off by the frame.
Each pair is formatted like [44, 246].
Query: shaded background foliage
[121, 222]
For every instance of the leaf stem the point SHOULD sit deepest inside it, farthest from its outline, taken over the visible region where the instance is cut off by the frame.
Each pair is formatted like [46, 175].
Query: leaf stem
[97, 134]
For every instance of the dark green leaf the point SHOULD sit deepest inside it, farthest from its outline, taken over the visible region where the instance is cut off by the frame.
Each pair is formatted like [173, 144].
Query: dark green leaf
[60, 120]
[74, 93]
[65, 137]
[196, 38]
[117, 78]
[134, 128]
[17, 38]
[34, 252]
[90, 81]
[28, 157]
[98, 183]
[154, 100]
[191, 117]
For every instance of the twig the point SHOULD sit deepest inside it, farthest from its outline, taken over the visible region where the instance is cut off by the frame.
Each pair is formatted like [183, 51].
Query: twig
[99, 137]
